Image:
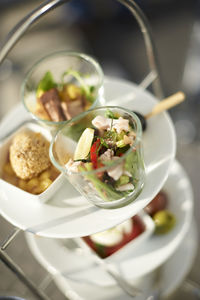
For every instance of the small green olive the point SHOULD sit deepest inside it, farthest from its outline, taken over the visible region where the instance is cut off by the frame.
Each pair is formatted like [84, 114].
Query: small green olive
[164, 221]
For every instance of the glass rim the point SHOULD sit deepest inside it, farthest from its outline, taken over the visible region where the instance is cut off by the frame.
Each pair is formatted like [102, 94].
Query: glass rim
[80, 116]
[51, 55]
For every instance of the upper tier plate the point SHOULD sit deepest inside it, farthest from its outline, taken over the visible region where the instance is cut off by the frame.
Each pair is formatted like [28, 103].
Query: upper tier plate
[68, 214]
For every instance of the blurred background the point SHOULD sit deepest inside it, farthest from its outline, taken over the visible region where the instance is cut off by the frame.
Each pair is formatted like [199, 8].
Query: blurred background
[107, 31]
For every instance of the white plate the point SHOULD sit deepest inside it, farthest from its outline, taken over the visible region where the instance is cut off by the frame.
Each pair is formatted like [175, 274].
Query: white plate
[173, 272]
[138, 261]
[68, 214]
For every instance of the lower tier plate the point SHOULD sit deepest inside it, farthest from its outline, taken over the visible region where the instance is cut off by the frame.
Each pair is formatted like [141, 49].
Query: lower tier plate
[172, 272]
[56, 255]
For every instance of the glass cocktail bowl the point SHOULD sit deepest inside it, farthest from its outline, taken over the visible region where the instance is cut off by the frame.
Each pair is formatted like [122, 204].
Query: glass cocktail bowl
[94, 183]
[66, 67]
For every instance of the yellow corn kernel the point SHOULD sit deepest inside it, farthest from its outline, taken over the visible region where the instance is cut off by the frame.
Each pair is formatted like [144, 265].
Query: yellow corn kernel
[44, 175]
[73, 91]
[37, 190]
[44, 184]
[22, 184]
[8, 169]
[32, 183]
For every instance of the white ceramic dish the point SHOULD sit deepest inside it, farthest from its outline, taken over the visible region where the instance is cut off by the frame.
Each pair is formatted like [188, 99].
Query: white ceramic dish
[55, 255]
[68, 214]
[173, 272]
[8, 189]
[136, 242]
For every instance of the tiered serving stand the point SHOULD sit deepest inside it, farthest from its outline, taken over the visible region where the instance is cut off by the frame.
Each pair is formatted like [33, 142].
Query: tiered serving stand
[65, 217]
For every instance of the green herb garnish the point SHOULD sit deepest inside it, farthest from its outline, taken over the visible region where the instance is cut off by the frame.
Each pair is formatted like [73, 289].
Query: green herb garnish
[109, 114]
[45, 84]
[111, 135]
[87, 90]
[103, 142]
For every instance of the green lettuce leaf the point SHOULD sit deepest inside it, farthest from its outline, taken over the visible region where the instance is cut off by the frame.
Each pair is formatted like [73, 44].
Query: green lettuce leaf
[45, 84]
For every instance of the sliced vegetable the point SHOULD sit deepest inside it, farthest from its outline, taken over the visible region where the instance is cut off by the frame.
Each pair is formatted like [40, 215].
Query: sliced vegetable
[86, 89]
[84, 144]
[45, 84]
[123, 179]
[94, 152]
[131, 163]
[120, 144]
[105, 191]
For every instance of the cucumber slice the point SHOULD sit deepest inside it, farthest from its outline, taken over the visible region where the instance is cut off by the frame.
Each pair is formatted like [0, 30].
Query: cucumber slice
[84, 144]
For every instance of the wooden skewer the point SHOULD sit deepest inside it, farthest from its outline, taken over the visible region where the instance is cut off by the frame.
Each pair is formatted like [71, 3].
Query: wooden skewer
[166, 104]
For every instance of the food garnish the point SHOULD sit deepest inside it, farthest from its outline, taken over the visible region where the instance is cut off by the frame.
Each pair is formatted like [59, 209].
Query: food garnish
[84, 144]
[60, 101]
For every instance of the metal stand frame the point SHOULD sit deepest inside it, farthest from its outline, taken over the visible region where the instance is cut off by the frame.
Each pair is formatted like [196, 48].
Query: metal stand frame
[152, 78]
[8, 261]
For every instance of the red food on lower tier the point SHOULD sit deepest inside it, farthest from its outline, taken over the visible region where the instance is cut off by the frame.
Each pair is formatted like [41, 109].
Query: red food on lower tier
[103, 251]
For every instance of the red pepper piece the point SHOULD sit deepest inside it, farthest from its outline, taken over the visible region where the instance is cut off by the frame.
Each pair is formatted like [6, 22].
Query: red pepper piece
[94, 152]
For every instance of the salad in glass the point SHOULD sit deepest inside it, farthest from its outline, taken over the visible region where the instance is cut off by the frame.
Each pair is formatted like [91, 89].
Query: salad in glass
[105, 163]
[61, 86]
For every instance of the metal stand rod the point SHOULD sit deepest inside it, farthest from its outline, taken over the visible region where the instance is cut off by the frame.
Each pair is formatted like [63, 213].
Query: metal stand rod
[15, 268]
[20, 274]
[45, 7]
[9, 239]
[45, 282]
[149, 44]
[148, 80]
